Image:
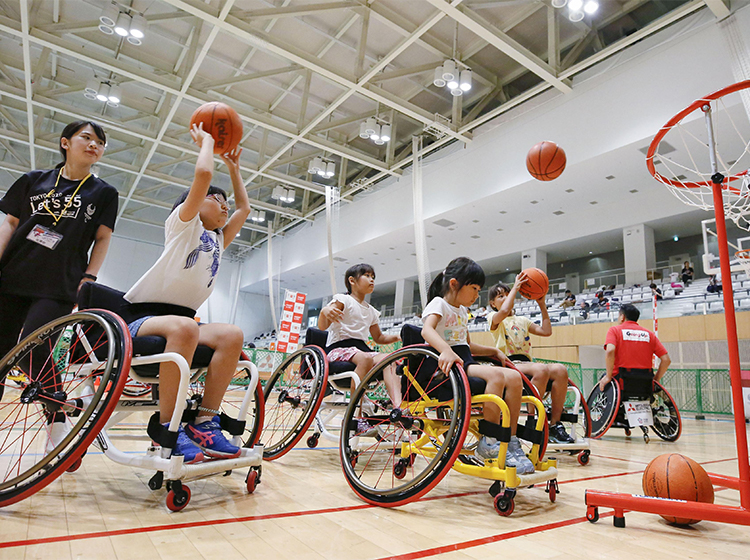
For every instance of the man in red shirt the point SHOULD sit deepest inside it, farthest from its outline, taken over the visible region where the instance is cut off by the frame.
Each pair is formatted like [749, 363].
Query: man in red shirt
[630, 348]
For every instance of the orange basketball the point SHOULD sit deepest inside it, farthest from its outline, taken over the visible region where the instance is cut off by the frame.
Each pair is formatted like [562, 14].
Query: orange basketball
[536, 285]
[220, 121]
[546, 161]
[678, 477]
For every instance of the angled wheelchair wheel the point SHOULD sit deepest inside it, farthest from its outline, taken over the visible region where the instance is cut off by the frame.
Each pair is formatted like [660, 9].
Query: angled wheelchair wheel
[582, 426]
[392, 456]
[292, 397]
[667, 420]
[72, 370]
[603, 407]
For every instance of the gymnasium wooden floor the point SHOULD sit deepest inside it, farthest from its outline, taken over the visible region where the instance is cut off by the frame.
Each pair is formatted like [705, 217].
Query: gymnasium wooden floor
[304, 509]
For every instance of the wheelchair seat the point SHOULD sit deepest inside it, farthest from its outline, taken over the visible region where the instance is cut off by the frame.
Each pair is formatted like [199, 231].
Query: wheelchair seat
[317, 337]
[411, 335]
[99, 296]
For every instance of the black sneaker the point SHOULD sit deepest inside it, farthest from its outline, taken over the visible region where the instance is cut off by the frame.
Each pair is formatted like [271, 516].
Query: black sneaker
[557, 434]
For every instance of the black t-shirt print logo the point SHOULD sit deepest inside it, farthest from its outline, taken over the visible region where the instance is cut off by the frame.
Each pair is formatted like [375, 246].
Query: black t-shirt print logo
[90, 211]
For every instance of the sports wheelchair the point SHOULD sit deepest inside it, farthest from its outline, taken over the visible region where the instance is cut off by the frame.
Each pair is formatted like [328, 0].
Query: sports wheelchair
[303, 390]
[396, 455]
[628, 387]
[75, 368]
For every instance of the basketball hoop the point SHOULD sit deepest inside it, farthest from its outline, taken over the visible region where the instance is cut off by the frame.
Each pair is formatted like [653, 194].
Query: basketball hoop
[720, 125]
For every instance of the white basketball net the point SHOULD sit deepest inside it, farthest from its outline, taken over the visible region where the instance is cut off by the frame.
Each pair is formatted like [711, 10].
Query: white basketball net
[682, 160]
[683, 164]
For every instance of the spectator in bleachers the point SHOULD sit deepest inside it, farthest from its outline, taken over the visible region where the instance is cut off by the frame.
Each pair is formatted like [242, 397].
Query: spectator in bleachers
[656, 292]
[569, 300]
[714, 284]
[585, 308]
[600, 302]
[687, 273]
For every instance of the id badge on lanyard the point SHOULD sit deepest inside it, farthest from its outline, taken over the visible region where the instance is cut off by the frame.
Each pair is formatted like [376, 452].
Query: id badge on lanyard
[44, 236]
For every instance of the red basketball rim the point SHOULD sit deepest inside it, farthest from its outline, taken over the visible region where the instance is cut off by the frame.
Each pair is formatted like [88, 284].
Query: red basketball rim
[695, 106]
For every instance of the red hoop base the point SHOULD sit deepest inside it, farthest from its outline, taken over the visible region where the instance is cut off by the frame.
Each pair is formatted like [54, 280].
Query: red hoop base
[620, 503]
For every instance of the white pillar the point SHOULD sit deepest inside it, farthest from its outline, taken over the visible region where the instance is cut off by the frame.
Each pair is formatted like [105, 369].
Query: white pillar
[404, 296]
[534, 258]
[640, 252]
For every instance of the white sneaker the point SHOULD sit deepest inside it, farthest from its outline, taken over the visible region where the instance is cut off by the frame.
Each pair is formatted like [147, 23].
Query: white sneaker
[525, 466]
[56, 432]
[368, 407]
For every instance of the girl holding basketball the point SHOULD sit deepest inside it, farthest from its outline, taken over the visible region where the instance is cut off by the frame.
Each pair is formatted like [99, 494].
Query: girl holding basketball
[445, 320]
[165, 299]
[511, 335]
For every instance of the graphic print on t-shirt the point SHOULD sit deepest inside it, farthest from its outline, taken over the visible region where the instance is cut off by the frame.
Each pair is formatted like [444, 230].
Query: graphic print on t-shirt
[455, 325]
[207, 245]
[636, 335]
[55, 203]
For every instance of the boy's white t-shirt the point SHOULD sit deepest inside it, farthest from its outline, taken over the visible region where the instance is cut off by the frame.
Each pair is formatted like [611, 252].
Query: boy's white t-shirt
[355, 322]
[453, 325]
[185, 273]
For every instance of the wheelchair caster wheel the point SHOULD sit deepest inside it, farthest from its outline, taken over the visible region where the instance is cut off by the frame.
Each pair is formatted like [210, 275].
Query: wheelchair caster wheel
[592, 514]
[646, 438]
[583, 458]
[504, 505]
[628, 432]
[552, 490]
[227, 473]
[75, 465]
[251, 481]
[177, 499]
[312, 441]
[156, 481]
[399, 469]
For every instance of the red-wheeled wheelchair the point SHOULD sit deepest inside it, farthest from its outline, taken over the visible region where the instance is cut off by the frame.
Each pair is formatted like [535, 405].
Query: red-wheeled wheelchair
[74, 369]
[631, 391]
[306, 391]
[393, 456]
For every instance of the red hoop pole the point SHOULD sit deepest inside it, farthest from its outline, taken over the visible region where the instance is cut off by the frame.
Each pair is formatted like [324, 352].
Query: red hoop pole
[733, 347]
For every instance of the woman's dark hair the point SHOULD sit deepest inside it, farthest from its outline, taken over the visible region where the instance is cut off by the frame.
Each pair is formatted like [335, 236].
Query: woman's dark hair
[463, 269]
[211, 190]
[496, 290]
[630, 311]
[356, 271]
[72, 129]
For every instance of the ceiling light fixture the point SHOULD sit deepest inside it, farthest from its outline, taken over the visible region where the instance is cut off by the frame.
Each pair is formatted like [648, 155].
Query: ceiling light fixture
[453, 75]
[591, 7]
[106, 92]
[124, 22]
[103, 93]
[375, 131]
[559, 3]
[258, 216]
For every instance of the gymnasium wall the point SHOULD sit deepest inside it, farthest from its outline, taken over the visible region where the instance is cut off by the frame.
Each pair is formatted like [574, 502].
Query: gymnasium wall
[693, 341]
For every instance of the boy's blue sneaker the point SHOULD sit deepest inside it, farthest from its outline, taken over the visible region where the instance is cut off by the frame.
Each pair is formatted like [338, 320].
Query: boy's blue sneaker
[207, 435]
[186, 448]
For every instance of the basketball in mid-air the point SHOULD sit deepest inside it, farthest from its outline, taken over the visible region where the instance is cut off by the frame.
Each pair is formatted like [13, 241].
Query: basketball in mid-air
[220, 121]
[546, 161]
[680, 478]
[536, 285]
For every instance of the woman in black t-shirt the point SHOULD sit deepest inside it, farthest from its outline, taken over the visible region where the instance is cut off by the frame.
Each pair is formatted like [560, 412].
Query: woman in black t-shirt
[52, 219]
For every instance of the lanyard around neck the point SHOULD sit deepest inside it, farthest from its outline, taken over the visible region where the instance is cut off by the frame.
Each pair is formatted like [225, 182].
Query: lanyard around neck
[70, 200]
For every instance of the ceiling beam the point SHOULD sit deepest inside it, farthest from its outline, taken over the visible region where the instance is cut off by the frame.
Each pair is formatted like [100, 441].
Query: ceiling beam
[503, 42]
[280, 48]
[294, 11]
[27, 80]
[719, 8]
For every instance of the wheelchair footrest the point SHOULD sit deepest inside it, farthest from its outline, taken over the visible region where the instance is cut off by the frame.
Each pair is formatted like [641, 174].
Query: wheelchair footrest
[494, 430]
